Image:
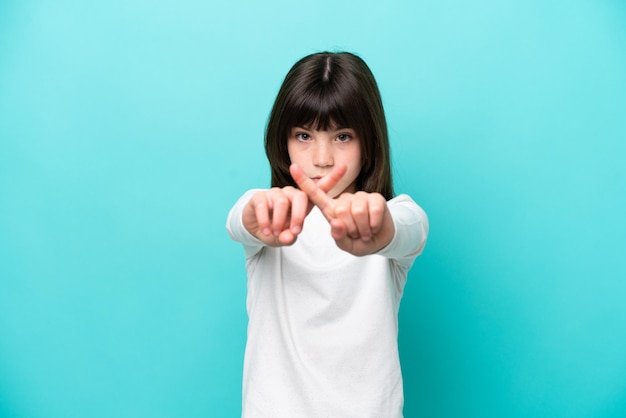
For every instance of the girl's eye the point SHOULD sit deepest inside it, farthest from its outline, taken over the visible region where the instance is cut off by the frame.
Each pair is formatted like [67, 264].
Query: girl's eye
[301, 136]
[343, 138]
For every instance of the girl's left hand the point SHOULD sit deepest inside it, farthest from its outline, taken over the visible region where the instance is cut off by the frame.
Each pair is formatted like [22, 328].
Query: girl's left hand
[360, 222]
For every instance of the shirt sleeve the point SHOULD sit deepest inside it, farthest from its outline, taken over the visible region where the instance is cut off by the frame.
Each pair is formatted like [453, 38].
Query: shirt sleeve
[411, 231]
[236, 230]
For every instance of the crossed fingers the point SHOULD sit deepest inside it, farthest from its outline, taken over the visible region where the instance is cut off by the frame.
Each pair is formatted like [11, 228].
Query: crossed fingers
[317, 192]
[360, 222]
[355, 219]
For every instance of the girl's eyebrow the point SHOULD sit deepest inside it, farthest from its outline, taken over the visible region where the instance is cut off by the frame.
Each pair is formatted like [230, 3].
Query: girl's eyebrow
[339, 129]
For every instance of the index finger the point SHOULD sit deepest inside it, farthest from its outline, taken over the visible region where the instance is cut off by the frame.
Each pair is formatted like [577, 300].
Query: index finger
[317, 193]
[330, 180]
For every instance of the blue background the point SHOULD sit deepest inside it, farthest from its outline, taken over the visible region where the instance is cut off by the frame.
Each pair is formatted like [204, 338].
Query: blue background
[129, 128]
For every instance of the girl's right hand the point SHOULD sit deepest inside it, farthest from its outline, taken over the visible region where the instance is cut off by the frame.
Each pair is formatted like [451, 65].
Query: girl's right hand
[276, 216]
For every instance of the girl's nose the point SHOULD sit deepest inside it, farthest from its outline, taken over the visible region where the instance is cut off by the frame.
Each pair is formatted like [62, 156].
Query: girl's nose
[322, 155]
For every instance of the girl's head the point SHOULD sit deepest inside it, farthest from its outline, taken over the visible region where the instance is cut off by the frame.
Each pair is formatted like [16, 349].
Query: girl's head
[323, 92]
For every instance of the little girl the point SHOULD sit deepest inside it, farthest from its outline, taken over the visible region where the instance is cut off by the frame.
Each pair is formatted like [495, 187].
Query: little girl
[328, 249]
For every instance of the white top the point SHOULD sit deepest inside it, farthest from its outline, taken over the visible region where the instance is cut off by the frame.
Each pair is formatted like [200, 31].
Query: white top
[323, 324]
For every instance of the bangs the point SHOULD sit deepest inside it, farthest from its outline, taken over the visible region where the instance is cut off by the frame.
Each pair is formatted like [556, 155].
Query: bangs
[324, 109]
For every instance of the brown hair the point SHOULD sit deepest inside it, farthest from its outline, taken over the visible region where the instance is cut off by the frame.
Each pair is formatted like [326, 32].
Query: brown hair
[325, 90]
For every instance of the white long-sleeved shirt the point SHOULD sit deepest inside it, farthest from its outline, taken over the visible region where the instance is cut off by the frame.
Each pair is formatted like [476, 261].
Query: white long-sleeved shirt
[323, 324]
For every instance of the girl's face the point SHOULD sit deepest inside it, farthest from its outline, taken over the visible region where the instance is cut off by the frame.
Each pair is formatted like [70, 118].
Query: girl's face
[317, 152]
